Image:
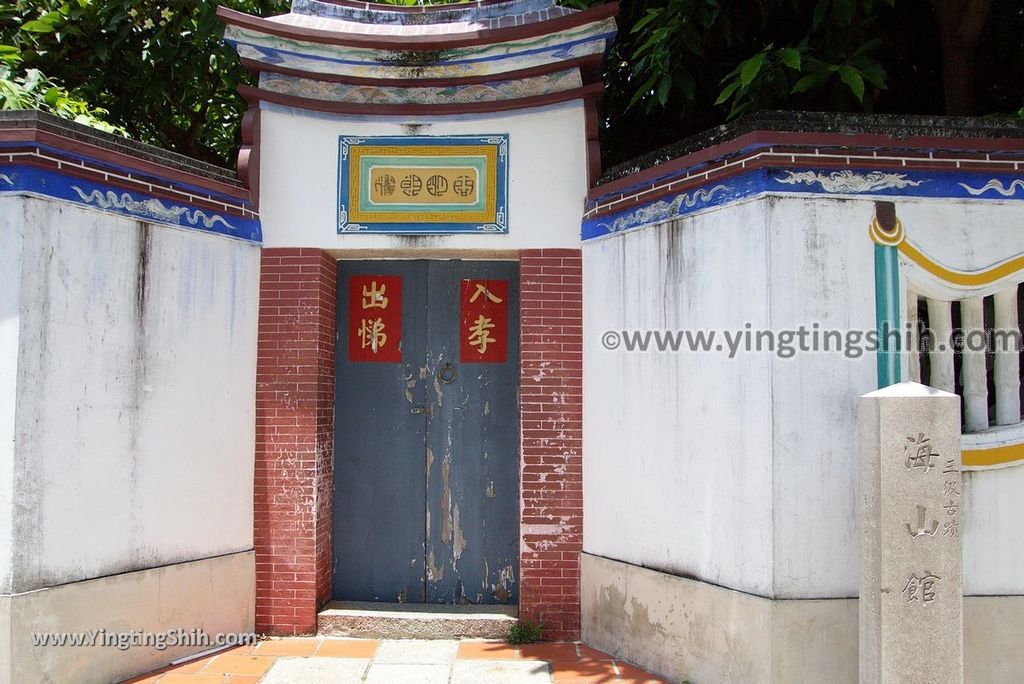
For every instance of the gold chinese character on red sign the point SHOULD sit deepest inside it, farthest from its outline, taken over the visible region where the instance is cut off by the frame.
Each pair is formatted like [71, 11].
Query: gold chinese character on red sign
[481, 289]
[484, 321]
[374, 298]
[372, 335]
[480, 334]
[375, 318]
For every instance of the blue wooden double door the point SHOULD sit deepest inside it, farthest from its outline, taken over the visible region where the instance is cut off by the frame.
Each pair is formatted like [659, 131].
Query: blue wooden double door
[426, 444]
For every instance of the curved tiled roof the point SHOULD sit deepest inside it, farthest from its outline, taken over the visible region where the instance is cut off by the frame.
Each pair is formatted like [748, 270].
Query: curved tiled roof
[456, 17]
[345, 57]
[398, 48]
[433, 36]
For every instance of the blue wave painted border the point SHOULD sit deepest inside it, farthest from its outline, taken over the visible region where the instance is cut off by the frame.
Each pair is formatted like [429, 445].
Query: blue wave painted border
[21, 179]
[823, 182]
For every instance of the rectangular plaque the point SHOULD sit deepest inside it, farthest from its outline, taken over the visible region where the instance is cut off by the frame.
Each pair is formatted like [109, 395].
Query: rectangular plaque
[423, 184]
[483, 321]
[375, 318]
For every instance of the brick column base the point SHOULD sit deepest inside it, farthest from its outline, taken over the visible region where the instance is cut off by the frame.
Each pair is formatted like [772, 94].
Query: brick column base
[551, 412]
[294, 438]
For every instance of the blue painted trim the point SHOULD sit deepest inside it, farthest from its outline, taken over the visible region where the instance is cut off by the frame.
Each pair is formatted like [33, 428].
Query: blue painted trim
[135, 173]
[668, 176]
[560, 51]
[887, 314]
[21, 179]
[500, 225]
[699, 168]
[823, 182]
[888, 183]
[712, 194]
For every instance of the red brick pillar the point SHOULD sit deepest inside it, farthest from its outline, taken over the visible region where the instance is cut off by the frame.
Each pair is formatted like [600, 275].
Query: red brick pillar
[294, 438]
[551, 412]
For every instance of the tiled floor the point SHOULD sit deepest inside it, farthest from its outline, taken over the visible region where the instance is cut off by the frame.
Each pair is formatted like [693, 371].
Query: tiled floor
[340, 661]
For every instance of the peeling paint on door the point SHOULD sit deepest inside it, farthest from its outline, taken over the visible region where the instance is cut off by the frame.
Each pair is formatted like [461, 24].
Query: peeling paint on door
[446, 500]
[460, 541]
[427, 453]
[435, 572]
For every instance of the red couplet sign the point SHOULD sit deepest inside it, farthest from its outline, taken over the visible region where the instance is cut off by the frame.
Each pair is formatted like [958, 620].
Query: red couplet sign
[483, 321]
[375, 318]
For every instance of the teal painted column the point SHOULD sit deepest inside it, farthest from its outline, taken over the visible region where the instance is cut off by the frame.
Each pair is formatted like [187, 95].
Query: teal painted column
[887, 314]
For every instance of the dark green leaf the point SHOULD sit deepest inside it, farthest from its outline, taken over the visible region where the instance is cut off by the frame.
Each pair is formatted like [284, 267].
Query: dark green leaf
[875, 75]
[790, 57]
[664, 88]
[52, 18]
[852, 78]
[750, 68]
[37, 27]
[651, 15]
[811, 80]
[642, 91]
[727, 92]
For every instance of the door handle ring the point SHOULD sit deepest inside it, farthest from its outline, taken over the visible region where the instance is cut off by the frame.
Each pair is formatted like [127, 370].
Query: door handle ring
[446, 374]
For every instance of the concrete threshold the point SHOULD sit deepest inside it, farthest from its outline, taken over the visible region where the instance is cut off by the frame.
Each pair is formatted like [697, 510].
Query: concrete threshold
[415, 620]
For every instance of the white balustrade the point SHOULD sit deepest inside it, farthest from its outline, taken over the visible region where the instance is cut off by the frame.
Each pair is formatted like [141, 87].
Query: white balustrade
[1007, 357]
[973, 350]
[914, 339]
[1003, 339]
[940, 357]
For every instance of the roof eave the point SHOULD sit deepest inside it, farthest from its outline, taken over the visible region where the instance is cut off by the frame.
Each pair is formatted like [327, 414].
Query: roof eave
[421, 42]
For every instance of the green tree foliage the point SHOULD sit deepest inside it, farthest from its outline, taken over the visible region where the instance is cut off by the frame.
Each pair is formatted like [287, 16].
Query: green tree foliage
[22, 88]
[160, 71]
[158, 68]
[32, 89]
[831, 56]
[682, 66]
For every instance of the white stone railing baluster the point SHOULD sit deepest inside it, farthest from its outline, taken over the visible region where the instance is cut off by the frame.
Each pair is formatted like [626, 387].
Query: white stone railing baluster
[975, 381]
[1007, 358]
[913, 356]
[941, 355]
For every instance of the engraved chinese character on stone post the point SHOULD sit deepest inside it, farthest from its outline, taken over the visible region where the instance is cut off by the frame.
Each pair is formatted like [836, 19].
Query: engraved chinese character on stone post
[911, 596]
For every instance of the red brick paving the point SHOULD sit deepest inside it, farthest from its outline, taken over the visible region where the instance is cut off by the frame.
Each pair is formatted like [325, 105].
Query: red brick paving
[570, 662]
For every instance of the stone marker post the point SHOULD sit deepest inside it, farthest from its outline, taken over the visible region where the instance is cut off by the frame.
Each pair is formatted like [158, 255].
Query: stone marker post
[911, 573]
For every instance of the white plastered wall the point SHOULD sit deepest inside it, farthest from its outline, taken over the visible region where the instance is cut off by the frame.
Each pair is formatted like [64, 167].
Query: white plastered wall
[823, 271]
[678, 445]
[743, 472]
[10, 296]
[134, 436]
[299, 176]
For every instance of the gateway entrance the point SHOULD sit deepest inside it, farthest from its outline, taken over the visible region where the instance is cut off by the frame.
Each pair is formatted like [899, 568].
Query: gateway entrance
[426, 470]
